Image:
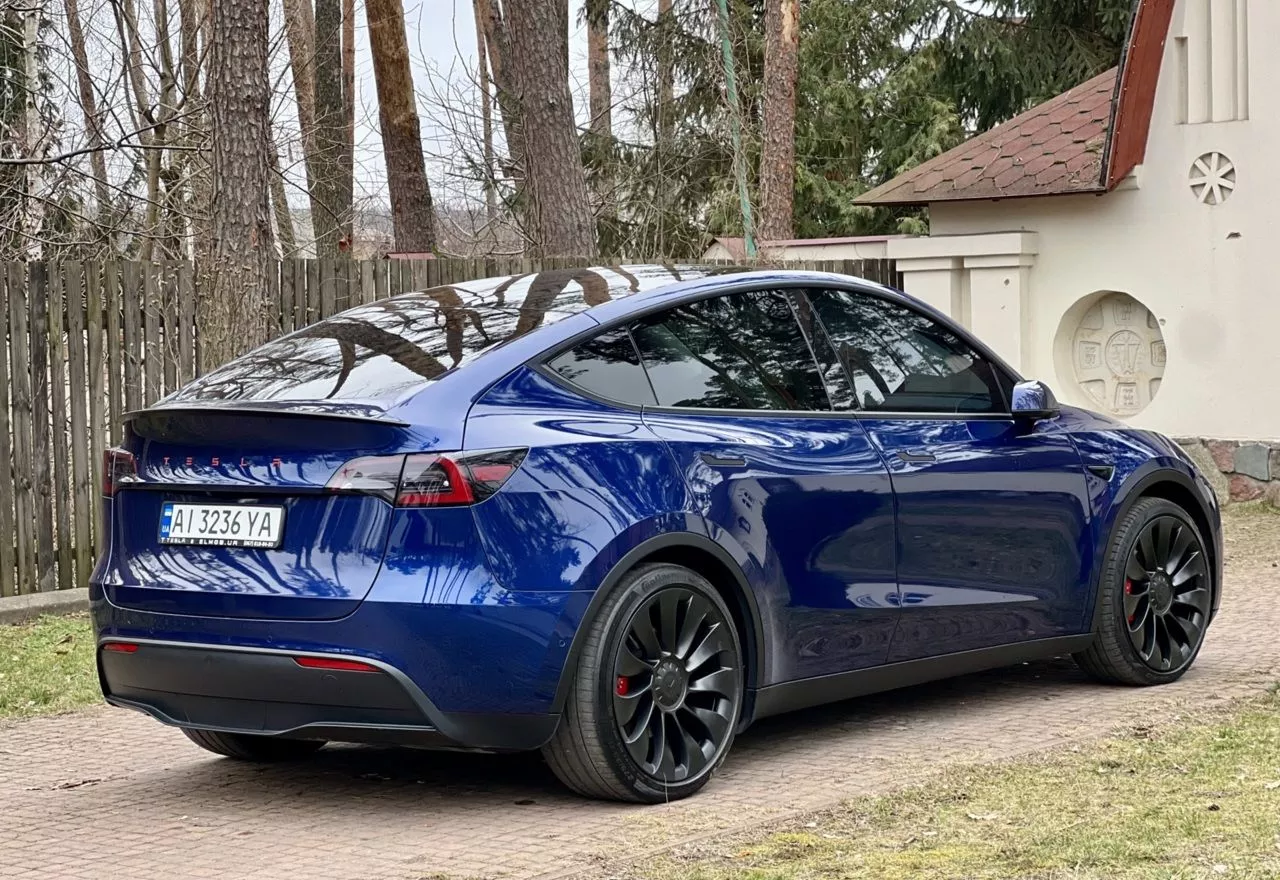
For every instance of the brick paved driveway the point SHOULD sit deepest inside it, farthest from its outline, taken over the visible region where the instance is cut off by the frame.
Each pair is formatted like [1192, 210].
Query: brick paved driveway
[110, 793]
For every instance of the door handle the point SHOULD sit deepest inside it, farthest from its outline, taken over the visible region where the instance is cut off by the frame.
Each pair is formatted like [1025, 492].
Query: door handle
[713, 460]
[916, 457]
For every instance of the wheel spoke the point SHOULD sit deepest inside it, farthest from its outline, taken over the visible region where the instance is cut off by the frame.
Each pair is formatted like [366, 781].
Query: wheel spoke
[695, 750]
[1182, 541]
[693, 618]
[1197, 599]
[1133, 604]
[640, 741]
[715, 724]
[1161, 644]
[711, 644]
[1147, 549]
[670, 604]
[666, 758]
[643, 628]
[630, 664]
[626, 706]
[1163, 529]
[1192, 567]
[1185, 631]
[721, 681]
[1133, 569]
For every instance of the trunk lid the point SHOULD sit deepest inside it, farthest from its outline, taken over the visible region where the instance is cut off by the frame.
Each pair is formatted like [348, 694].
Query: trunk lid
[331, 546]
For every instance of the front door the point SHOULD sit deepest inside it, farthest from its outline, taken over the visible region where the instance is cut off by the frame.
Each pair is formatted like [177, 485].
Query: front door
[992, 514]
[797, 491]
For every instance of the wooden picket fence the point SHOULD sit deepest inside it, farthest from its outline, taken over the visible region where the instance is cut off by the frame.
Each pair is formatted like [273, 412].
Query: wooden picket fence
[83, 343]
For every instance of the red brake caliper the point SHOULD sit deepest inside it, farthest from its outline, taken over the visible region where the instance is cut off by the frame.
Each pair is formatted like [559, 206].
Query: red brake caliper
[623, 686]
[1128, 591]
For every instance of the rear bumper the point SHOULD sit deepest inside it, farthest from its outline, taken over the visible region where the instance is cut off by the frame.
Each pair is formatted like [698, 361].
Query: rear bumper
[265, 691]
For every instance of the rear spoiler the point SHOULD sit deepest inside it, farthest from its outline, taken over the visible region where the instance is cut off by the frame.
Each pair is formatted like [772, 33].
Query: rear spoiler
[299, 409]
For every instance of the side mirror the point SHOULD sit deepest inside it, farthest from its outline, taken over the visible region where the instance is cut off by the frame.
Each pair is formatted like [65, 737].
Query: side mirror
[1034, 401]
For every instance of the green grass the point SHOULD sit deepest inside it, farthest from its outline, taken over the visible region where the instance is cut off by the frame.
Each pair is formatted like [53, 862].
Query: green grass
[47, 666]
[1200, 799]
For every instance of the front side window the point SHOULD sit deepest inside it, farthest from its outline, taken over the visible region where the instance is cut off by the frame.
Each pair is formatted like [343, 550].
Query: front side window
[607, 366]
[899, 360]
[739, 351]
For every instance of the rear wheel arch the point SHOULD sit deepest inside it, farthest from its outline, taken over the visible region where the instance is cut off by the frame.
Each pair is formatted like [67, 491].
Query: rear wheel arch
[699, 554]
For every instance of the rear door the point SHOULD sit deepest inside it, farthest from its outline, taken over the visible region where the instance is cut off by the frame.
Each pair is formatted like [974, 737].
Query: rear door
[992, 513]
[792, 485]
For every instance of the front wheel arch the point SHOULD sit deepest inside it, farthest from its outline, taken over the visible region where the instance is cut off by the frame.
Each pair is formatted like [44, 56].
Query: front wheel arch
[704, 556]
[1173, 486]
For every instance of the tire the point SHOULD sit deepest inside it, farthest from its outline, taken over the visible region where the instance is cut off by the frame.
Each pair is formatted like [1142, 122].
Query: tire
[1153, 544]
[248, 747]
[679, 708]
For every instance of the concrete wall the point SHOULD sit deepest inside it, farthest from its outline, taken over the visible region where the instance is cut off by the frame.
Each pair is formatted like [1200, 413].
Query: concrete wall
[1203, 270]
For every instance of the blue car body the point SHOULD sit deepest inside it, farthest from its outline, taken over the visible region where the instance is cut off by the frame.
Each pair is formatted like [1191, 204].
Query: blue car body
[854, 562]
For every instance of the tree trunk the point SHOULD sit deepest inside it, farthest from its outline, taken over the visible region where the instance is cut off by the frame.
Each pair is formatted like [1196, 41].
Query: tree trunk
[411, 212]
[599, 88]
[234, 318]
[666, 78]
[497, 39]
[778, 150]
[486, 121]
[280, 205]
[556, 206]
[92, 122]
[349, 115]
[300, 30]
[331, 132]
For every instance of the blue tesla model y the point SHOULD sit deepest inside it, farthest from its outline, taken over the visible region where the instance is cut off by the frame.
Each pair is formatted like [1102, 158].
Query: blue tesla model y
[618, 514]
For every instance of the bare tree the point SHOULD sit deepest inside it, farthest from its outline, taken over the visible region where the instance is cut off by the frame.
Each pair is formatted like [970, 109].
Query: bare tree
[497, 40]
[300, 32]
[411, 212]
[778, 150]
[599, 88]
[557, 208]
[92, 120]
[234, 318]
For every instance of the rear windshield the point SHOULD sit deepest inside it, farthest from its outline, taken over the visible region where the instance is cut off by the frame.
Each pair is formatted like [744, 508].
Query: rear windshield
[382, 352]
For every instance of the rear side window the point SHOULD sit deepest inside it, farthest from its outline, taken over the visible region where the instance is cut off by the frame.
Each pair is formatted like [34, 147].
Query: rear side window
[607, 366]
[902, 361]
[740, 351]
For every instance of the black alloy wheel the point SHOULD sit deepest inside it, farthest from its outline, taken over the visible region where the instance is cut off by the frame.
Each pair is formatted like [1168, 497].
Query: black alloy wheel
[1155, 597]
[1166, 594]
[676, 685]
[657, 690]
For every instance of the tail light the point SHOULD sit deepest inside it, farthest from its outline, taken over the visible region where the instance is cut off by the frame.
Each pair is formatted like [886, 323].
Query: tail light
[118, 466]
[430, 479]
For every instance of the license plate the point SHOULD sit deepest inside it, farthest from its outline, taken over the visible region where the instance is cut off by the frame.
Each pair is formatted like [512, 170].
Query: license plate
[221, 525]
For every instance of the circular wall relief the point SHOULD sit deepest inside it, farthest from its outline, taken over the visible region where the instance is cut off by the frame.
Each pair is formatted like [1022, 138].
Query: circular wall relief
[1118, 354]
[1213, 178]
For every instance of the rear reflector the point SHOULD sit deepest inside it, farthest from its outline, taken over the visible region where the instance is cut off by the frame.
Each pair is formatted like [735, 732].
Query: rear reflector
[120, 647]
[331, 663]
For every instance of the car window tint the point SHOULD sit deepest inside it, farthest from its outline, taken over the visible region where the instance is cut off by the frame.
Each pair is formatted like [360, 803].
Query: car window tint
[607, 366]
[902, 361]
[741, 351]
[839, 391]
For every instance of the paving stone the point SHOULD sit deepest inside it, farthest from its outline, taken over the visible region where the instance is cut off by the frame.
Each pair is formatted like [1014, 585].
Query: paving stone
[160, 807]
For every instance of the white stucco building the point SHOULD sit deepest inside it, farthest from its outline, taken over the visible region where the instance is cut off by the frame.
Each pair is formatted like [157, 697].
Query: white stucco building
[1115, 241]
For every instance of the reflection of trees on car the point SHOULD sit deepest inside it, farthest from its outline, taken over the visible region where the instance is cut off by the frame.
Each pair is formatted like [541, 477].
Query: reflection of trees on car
[382, 349]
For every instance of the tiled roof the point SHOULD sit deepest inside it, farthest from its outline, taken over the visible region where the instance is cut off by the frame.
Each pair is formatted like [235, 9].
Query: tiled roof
[1052, 149]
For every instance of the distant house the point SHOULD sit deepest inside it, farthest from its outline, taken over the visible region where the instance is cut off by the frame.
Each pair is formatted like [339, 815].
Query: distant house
[1116, 241]
[865, 247]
